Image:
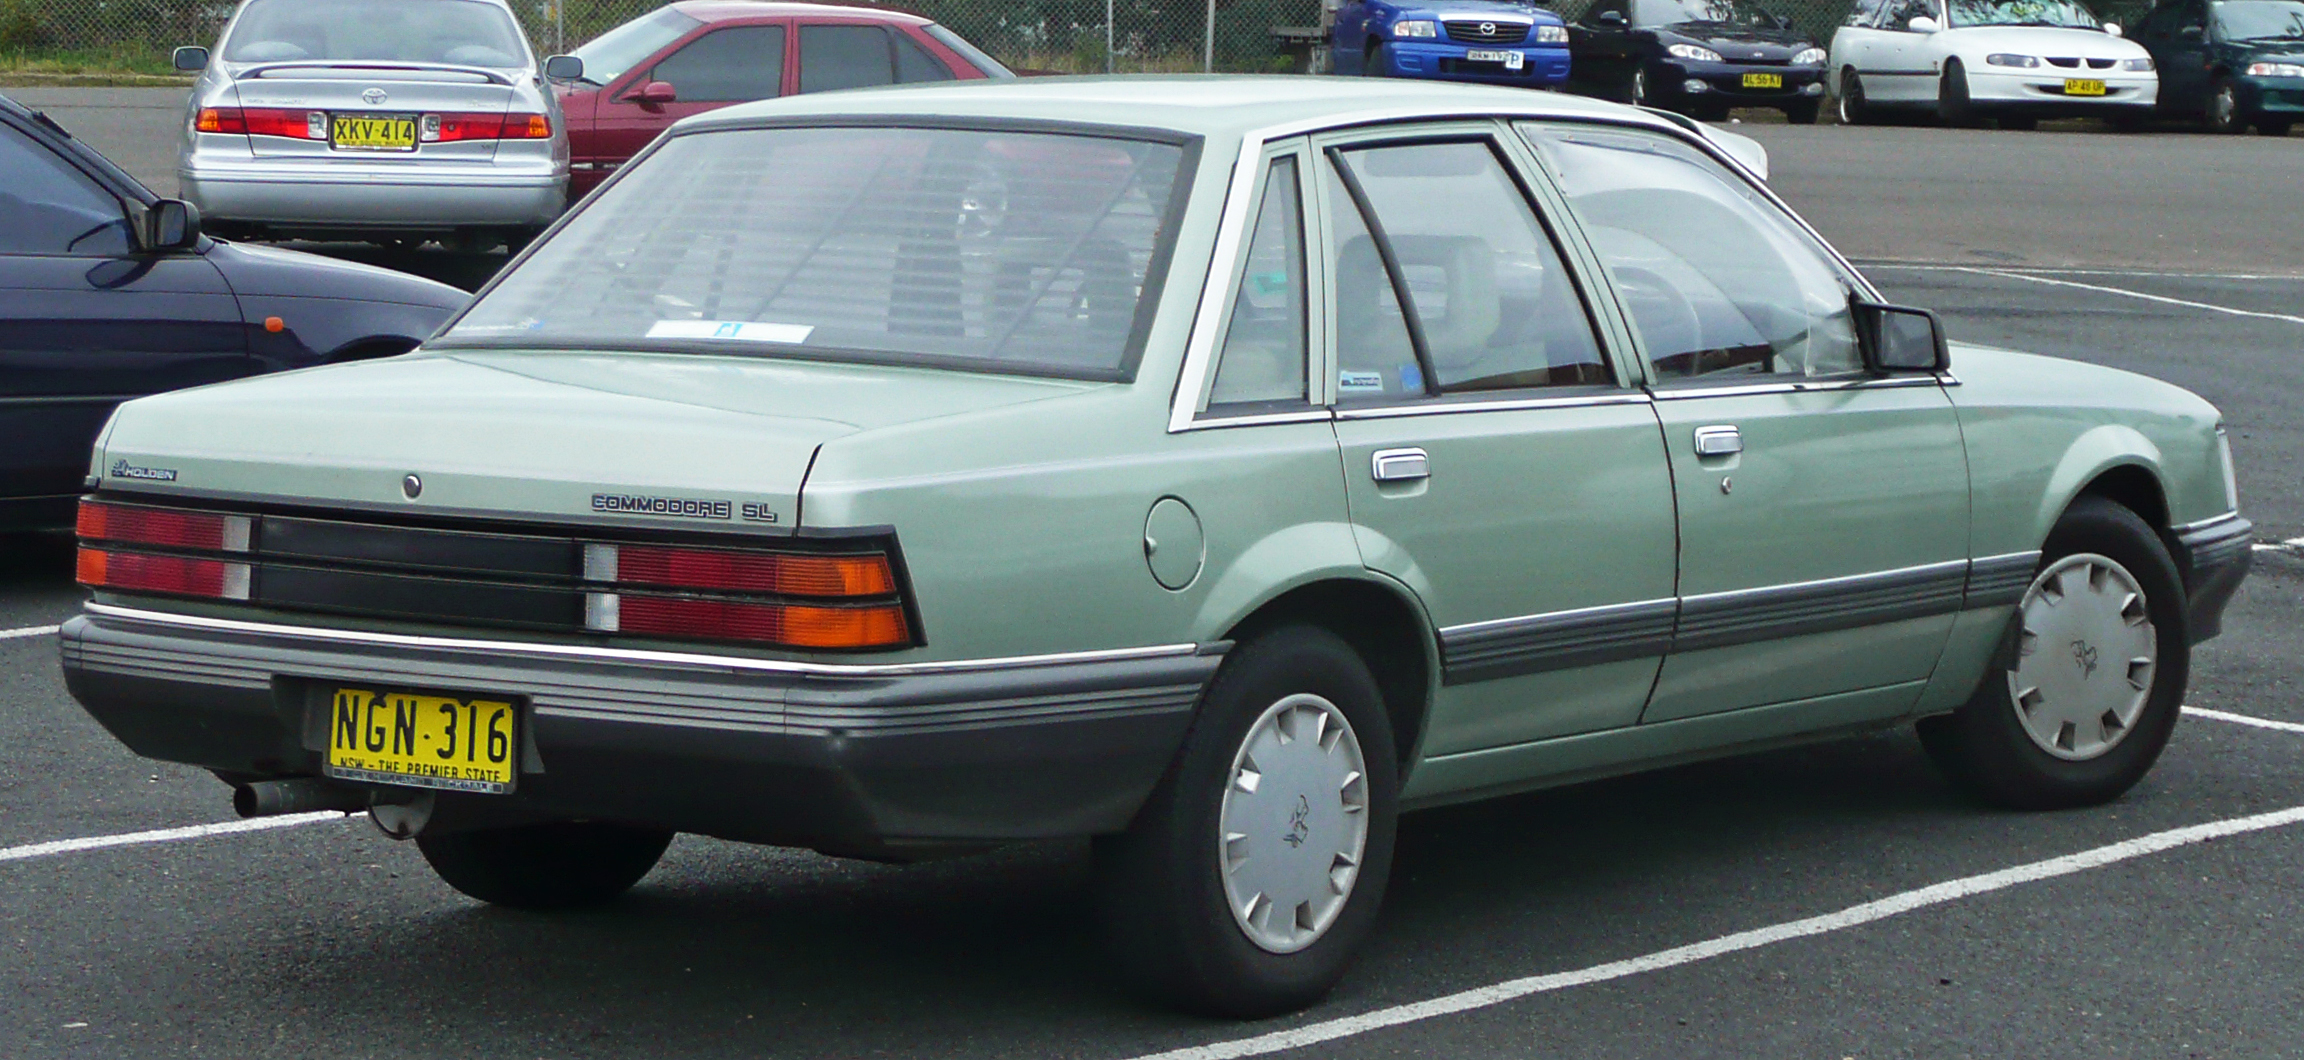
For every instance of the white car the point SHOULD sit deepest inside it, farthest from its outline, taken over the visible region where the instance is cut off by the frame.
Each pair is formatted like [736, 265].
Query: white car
[2015, 61]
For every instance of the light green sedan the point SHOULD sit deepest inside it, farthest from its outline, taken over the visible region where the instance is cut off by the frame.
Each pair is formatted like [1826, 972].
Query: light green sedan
[1217, 467]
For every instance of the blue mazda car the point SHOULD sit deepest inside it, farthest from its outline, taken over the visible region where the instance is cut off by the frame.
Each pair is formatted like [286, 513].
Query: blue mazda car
[1496, 42]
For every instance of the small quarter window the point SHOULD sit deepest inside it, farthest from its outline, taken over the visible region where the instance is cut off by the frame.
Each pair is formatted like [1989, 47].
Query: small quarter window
[1490, 300]
[1263, 357]
[1716, 278]
[914, 64]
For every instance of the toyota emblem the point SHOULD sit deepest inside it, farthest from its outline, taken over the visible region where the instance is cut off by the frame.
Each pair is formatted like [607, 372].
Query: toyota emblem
[375, 97]
[1487, 29]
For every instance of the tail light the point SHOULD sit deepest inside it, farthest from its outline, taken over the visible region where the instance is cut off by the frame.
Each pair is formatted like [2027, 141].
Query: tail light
[844, 601]
[264, 121]
[131, 532]
[451, 128]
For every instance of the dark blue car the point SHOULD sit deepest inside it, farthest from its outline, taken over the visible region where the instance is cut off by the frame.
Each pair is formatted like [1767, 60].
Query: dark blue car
[1496, 42]
[108, 292]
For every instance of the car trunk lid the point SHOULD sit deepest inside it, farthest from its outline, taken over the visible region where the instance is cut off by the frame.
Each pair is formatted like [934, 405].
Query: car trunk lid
[375, 90]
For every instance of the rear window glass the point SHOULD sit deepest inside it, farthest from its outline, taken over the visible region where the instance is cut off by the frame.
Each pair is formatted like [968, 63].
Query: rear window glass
[1000, 251]
[458, 32]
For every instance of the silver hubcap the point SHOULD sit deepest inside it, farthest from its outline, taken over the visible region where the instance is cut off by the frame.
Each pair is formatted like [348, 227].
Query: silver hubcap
[1295, 822]
[2085, 659]
[2226, 105]
[1639, 86]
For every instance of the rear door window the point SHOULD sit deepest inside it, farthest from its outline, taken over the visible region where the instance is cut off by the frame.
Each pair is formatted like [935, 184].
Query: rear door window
[837, 57]
[734, 65]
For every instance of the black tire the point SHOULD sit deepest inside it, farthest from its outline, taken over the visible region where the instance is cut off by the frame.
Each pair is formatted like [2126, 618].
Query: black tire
[1636, 87]
[1953, 107]
[1161, 898]
[547, 866]
[1984, 747]
[1854, 110]
[1378, 62]
[2274, 126]
[2019, 123]
[2224, 114]
[1803, 112]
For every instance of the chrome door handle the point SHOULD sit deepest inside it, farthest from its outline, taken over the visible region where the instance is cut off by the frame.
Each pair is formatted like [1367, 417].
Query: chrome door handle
[1401, 465]
[1724, 440]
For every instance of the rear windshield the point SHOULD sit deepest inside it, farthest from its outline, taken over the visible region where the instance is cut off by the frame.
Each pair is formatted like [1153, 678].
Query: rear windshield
[460, 32]
[998, 251]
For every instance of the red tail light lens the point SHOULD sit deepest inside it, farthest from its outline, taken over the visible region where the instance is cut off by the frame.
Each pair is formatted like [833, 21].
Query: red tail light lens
[176, 575]
[792, 625]
[130, 524]
[451, 128]
[783, 574]
[264, 121]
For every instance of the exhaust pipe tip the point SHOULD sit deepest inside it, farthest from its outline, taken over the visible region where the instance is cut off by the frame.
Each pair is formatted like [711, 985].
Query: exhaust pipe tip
[273, 798]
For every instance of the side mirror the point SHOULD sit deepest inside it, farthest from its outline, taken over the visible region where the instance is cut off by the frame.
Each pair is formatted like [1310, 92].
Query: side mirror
[1609, 19]
[564, 68]
[191, 58]
[1898, 340]
[2112, 28]
[2192, 32]
[656, 94]
[1923, 24]
[171, 224]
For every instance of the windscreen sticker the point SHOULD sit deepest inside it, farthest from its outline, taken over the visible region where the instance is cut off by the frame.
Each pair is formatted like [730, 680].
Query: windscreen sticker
[1360, 382]
[735, 330]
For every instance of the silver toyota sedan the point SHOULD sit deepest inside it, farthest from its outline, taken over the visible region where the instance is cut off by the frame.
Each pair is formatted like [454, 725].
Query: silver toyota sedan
[386, 120]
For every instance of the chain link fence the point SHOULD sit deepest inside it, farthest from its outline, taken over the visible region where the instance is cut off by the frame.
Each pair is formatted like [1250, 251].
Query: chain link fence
[1060, 36]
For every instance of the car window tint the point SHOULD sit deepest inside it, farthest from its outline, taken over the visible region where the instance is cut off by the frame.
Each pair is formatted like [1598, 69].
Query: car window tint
[734, 65]
[49, 207]
[996, 251]
[1263, 355]
[1716, 278]
[914, 64]
[836, 57]
[1495, 304]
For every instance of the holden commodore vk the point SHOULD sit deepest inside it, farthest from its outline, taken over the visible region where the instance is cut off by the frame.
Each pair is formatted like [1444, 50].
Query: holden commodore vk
[1216, 467]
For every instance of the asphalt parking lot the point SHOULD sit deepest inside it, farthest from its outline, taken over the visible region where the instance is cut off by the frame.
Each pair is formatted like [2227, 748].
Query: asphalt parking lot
[1767, 906]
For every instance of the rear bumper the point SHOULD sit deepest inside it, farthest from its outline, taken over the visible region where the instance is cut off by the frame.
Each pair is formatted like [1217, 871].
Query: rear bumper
[2217, 555]
[839, 758]
[370, 199]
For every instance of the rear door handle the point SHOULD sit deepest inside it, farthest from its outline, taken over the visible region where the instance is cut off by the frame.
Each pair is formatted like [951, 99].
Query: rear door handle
[1722, 440]
[1401, 465]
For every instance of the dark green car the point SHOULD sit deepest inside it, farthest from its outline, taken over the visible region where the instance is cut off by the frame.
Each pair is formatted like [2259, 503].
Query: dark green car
[2229, 63]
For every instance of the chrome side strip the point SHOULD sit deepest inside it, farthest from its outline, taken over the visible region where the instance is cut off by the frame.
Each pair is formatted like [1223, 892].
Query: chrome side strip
[632, 655]
[1434, 408]
[1891, 383]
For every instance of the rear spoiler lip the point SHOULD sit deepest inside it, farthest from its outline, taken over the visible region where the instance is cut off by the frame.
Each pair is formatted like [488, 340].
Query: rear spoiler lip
[260, 70]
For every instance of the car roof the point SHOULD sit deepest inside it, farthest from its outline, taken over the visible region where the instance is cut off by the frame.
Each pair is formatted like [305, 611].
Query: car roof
[726, 10]
[1217, 105]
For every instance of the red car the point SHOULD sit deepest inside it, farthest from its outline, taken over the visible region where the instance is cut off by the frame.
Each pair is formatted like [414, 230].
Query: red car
[699, 55]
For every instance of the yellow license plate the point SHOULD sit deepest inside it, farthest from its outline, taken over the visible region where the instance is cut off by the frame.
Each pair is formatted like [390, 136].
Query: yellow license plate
[1763, 80]
[372, 134]
[2083, 86]
[426, 741]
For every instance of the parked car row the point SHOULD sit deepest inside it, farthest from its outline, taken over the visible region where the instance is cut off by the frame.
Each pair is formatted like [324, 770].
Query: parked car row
[2230, 64]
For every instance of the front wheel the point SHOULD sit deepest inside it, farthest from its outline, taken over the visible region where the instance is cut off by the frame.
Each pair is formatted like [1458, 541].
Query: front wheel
[2224, 115]
[562, 865]
[1255, 870]
[2088, 683]
[1953, 106]
[1378, 62]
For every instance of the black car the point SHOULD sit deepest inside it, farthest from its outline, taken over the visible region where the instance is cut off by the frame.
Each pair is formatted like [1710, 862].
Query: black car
[1697, 57]
[2229, 64]
[109, 292]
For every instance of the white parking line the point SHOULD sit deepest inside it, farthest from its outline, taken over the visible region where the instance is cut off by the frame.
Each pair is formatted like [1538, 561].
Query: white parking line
[28, 631]
[165, 835]
[1925, 266]
[2243, 719]
[1893, 905]
[2186, 302]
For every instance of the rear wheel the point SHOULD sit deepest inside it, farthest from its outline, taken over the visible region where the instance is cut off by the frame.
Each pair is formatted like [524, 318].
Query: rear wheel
[564, 865]
[1853, 108]
[2086, 688]
[1953, 107]
[1255, 870]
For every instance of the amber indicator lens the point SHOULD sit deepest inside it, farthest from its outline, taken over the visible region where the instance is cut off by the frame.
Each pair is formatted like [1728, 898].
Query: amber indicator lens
[790, 625]
[757, 572]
